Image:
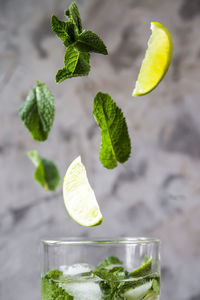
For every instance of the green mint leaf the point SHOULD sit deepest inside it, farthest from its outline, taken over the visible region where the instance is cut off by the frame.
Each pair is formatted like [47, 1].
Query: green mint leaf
[89, 41]
[53, 275]
[110, 261]
[111, 272]
[37, 113]
[71, 59]
[46, 173]
[50, 288]
[73, 14]
[64, 30]
[76, 64]
[115, 141]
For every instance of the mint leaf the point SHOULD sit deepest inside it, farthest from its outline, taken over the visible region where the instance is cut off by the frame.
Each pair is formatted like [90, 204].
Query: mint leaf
[89, 41]
[46, 173]
[64, 30]
[76, 64]
[111, 275]
[110, 261]
[115, 141]
[50, 288]
[37, 113]
[73, 14]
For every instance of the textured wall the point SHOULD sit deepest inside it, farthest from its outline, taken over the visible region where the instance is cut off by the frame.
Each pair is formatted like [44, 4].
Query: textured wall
[156, 193]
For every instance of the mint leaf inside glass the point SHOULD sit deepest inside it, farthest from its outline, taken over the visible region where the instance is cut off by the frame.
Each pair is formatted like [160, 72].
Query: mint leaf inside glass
[109, 261]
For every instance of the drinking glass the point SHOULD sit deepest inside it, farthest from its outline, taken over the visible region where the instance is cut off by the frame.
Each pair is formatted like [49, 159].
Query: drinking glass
[79, 269]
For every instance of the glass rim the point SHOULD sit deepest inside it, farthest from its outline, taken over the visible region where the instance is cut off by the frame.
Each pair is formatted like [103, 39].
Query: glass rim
[100, 241]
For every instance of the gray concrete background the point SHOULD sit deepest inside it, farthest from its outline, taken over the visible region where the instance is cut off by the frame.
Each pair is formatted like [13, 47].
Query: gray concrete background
[156, 193]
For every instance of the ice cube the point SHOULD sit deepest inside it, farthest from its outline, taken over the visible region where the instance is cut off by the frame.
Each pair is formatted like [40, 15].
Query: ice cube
[81, 287]
[76, 269]
[83, 290]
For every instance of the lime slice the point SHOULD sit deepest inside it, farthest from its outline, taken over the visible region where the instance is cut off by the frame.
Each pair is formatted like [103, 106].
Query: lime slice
[144, 270]
[79, 198]
[139, 292]
[151, 296]
[157, 60]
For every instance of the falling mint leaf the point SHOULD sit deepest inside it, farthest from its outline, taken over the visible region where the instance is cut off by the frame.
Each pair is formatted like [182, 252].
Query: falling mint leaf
[81, 43]
[115, 141]
[89, 41]
[73, 14]
[64, 30]
[46, 173]
[76, 64]
[37, 112]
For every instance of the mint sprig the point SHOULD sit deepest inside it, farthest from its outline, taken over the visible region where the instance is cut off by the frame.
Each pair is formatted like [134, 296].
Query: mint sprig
[46, 173]
[115, 141]
[37, 113]
[78, 42]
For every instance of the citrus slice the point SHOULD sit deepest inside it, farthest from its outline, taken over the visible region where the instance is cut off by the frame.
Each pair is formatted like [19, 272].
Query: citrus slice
[79, 198]
[156, 61]
[139, 292]
[144, 270]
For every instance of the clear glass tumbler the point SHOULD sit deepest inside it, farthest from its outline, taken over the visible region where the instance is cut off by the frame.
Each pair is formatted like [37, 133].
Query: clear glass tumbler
[127, 268]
